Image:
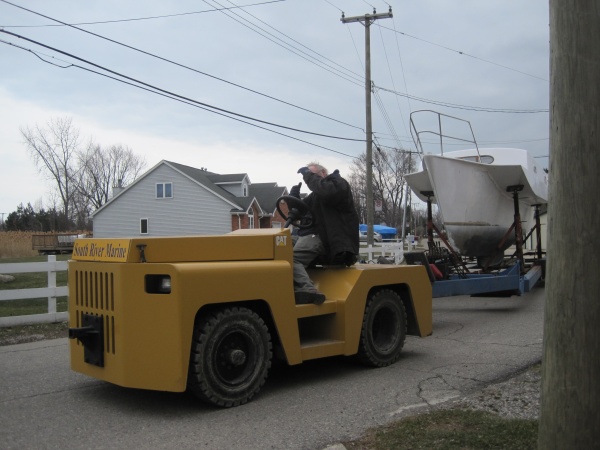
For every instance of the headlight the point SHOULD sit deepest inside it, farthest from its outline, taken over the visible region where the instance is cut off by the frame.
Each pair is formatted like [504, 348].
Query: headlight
[158, 284]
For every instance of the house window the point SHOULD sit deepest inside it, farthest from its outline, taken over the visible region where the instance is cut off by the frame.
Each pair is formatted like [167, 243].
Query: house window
[275, 224]
[245, 191]
[250, 218]
[164, 190]
[143, 226]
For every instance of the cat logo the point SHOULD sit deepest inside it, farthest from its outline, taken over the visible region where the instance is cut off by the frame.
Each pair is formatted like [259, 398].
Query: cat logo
[280, 241]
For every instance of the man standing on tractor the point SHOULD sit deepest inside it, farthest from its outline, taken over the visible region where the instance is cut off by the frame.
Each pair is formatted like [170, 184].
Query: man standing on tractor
[333, 237]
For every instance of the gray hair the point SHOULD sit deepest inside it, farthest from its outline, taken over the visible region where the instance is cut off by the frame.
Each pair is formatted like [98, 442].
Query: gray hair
[319, 167]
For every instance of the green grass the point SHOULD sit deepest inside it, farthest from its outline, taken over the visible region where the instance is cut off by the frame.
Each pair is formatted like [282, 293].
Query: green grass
[452, 429]
[29, 306]
[28, 281]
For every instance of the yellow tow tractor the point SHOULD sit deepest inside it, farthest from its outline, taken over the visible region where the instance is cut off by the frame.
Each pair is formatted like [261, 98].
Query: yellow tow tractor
[207, 313]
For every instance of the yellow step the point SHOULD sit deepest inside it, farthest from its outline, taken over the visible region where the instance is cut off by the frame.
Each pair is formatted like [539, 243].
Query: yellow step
[309, 310]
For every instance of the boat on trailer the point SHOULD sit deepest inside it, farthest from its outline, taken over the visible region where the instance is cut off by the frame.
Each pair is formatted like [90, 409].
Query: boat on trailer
[478, 191]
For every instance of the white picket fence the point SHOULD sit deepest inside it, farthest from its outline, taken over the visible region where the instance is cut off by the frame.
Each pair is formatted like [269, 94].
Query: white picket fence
[392, 250]
[50, 292]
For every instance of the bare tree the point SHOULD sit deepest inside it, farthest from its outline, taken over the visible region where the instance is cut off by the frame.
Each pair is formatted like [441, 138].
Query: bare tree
[101, 170]
[357, 184]
[54, 151]
[83, 175]
[389, 168]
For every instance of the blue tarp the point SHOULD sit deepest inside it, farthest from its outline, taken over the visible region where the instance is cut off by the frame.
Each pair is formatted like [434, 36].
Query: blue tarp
[385, 232]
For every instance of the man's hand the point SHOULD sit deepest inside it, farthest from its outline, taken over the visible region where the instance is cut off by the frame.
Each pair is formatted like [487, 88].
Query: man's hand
[303, 170]
[295, 191]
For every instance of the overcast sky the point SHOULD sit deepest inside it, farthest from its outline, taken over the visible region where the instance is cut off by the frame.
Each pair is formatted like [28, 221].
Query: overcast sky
[291, 63]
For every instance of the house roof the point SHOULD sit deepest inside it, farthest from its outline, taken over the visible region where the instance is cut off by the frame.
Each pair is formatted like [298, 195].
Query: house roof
[227, 178]
[203, 177]
[265, 194]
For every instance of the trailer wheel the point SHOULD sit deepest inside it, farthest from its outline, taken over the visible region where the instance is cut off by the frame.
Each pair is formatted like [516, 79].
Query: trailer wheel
[383, 329]
[230, 357]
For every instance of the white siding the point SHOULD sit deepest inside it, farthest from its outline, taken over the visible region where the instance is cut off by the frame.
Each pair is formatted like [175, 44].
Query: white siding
[192, 211]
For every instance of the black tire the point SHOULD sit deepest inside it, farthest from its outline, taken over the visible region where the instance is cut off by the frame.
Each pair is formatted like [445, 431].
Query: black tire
[383, 329]
[230, 358]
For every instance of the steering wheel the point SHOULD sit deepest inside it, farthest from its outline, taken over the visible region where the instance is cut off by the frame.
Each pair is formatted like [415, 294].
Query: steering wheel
[297, 210]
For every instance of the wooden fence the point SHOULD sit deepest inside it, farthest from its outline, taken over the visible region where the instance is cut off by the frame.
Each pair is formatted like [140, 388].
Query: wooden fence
[51, 292]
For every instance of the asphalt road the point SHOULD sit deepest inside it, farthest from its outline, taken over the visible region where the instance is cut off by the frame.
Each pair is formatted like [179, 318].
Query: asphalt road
[43, 404]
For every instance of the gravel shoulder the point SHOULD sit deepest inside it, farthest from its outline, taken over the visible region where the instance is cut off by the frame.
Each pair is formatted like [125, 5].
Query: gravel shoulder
[517, 397]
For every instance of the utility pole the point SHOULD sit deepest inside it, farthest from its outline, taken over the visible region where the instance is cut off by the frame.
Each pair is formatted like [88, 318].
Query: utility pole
[367, 20]
[569, 415]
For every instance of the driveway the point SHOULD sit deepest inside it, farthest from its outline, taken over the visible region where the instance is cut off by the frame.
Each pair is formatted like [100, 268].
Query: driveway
[43, 404]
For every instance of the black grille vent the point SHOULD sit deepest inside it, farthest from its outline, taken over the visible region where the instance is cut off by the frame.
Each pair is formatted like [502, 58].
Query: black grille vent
[95, 295]
[95, 290]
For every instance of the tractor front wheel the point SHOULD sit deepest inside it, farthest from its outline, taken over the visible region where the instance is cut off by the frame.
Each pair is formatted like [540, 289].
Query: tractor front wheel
[230, 358]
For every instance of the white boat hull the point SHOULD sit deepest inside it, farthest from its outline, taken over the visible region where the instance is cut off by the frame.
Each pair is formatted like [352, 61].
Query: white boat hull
[476, 208]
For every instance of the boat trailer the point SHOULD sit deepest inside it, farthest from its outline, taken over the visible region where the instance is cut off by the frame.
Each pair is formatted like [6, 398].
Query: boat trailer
[450, 275]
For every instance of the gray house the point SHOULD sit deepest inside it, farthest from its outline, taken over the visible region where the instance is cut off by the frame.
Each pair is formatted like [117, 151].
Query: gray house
[176, 200]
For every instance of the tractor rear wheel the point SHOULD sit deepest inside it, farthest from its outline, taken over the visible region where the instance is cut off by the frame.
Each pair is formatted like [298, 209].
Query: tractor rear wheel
[383, 329]
[230, 358]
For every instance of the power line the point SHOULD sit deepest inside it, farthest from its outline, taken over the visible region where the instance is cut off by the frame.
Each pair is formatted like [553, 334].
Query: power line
[134, 19]
[463, 53]
[465, 107]
[327, 1]
[381, 136]
[393, 84]
[284, 102]
[181, 100]
[181, 65]
[386, 117]
[298, 52]
[403, 74]
[212, 107]
[439, 103]
[457, 51]
[223, 9]
[354, 74]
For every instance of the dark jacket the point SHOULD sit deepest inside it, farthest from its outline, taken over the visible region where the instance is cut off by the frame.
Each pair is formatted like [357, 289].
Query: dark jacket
[336, 221]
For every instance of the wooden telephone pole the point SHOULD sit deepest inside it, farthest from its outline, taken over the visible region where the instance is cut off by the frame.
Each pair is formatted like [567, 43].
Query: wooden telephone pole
[569, 415]
[367, 20]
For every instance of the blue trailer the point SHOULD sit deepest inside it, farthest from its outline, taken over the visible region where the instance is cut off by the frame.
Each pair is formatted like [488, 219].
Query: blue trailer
[506, 282]
[509, 281]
